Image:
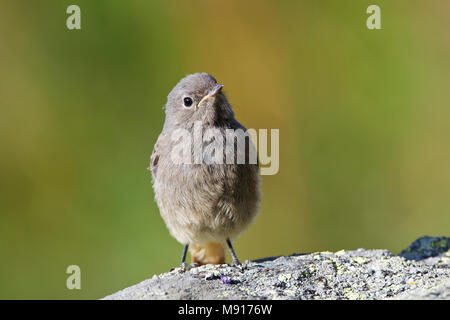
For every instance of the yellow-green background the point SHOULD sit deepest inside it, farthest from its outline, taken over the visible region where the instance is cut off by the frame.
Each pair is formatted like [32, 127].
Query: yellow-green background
[364, 119]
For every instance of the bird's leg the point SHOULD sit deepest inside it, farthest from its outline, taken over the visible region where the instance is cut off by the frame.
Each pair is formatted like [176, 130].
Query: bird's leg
[183, 264]
[236, 262]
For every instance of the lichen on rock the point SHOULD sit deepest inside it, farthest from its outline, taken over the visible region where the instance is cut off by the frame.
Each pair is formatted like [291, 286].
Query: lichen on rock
[426, 247]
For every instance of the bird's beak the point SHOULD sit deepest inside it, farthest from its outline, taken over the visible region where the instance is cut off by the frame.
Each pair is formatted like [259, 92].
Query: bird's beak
[212, 93]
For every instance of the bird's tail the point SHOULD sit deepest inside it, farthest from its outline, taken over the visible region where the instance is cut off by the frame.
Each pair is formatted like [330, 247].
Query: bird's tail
[209, 252]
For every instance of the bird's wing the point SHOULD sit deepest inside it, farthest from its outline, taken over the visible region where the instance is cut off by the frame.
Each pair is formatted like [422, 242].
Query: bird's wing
[154, 158]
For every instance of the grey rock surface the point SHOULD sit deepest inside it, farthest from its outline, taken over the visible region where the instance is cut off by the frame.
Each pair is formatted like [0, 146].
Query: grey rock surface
[422, 271]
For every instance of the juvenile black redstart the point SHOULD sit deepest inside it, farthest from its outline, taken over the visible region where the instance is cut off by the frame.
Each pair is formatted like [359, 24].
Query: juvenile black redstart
[206, 204]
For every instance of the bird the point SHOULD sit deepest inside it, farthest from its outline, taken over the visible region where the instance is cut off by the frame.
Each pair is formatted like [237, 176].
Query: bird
[205, 205]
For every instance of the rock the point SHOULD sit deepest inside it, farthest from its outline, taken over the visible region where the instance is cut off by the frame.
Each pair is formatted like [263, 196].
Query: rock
[426, 247]
[422, 271]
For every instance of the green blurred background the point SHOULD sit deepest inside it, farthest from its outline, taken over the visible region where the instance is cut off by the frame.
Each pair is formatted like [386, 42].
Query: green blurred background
[364, 119]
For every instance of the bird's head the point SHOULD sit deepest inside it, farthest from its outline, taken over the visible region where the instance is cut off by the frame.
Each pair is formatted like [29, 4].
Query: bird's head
[197, 97]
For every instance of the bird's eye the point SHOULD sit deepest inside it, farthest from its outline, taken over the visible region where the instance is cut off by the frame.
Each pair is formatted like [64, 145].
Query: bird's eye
[187, 101]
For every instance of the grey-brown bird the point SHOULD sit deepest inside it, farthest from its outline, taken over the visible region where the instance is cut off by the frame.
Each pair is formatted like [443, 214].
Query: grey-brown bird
[204, 205]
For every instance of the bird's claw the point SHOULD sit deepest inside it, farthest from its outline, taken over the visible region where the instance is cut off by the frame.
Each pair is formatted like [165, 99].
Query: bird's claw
[184, 267]
[237, 264]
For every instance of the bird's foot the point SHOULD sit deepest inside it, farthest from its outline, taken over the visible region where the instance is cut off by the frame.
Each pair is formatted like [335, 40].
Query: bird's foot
[195, 265]
[183, 267]
[238, 265]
